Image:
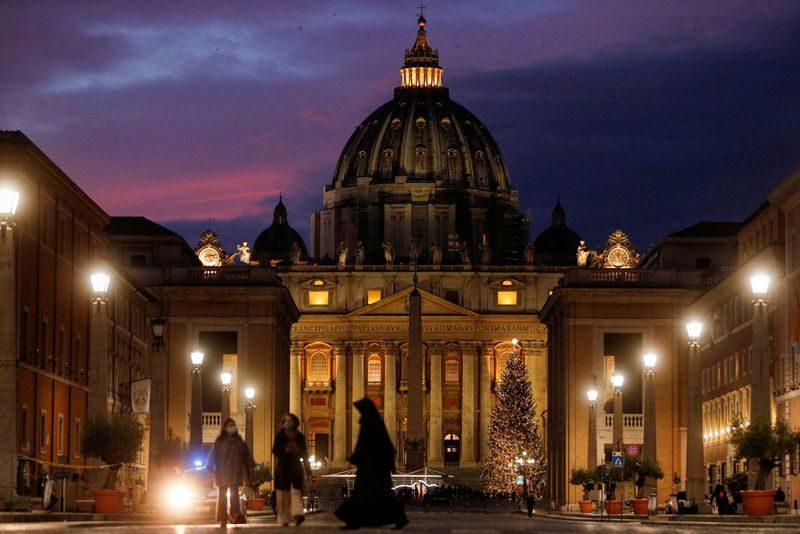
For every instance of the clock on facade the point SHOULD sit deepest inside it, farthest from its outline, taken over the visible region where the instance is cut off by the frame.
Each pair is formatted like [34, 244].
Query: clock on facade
[209, 256]
[618, 257]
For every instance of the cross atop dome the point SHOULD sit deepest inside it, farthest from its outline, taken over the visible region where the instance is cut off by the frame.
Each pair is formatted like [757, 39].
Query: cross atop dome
[421, 66]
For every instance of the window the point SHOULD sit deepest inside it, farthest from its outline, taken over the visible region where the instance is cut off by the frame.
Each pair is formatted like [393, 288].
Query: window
[451, 371]
[43, 430]
[451, 295]
[506, 298]
[318, 283]
[61, 434]
[138, 260]
[77, 439]
[318, 368]
[374, 369]
[23, 425]
[318, 298]
[702, 263]
[508, 283]
[373, 295]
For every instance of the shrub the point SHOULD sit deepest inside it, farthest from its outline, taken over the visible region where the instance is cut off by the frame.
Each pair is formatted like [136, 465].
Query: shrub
[114, 439]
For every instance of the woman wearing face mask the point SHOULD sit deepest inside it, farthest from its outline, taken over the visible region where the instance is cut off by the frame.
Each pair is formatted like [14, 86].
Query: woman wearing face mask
[291, 464]
[232, 463]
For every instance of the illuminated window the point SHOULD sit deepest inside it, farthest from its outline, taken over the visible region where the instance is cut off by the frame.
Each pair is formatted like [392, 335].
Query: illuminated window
[374, 369]
[318, 283]
[506, 298]
[451, 371]
[508, 283]
[373, 295]
[318, 298]
[318, 368]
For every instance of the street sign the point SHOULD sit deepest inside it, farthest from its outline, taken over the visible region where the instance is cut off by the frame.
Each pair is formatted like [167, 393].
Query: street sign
[633, 450]
[617, 460]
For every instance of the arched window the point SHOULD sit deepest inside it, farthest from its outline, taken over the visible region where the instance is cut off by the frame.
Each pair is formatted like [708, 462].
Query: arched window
[451, 371]
[318, 368]
[452, 163]
[374, 371]
[361, 166]
[386, 161]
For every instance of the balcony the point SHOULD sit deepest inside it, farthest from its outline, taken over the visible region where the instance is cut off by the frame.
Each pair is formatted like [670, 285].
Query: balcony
[632, 429]
[636, 278]
[212, 422]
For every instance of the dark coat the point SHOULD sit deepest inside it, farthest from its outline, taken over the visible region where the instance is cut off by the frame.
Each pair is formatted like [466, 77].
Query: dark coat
[373, 502]
[231, 461]
[289, 470]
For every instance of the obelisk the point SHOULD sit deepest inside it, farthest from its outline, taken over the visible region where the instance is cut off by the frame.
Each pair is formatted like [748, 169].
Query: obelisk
[415, 441]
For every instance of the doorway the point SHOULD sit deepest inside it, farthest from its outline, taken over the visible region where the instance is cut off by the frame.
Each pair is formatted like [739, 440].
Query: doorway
[452, 450]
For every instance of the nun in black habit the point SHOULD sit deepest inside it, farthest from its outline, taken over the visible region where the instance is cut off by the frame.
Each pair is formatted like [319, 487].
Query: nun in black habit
[373, 502]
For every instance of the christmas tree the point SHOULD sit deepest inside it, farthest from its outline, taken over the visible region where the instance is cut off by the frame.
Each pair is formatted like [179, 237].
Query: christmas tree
[515, 447]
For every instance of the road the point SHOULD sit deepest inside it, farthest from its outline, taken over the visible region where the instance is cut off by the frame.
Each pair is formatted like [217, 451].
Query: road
[440, 522]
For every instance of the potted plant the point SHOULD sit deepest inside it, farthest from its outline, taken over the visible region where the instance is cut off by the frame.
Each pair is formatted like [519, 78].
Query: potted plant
[585, 478]
[611, 478]
[261, 474]
[638, 471]
[768, 445]
[116, 440]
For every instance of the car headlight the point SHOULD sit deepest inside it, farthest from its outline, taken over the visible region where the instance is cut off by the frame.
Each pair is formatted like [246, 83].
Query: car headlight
[180, 496]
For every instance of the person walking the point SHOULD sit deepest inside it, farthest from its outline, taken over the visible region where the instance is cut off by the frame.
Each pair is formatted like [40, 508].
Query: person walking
[373, 502]
[232, 463]
[291, 465]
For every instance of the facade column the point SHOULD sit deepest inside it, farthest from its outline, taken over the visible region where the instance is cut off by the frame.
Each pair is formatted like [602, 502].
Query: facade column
[435, 432]
[485, 377]
[340, 451]
[357, 387]
[295, 385]
[8, 363]
[390, 390]
[468, 355]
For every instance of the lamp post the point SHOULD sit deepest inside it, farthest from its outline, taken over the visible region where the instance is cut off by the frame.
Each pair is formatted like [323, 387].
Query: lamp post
[761, 399]
[617, 380]
[695, 463]
[158, 409]
[591, 453]
[225, 378]
[249, 408]
[99, 380]
[196, 416]
[649, 445]
[9, 200]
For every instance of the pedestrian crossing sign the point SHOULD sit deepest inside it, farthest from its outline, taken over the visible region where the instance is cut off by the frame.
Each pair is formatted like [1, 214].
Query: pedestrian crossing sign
[617, 460]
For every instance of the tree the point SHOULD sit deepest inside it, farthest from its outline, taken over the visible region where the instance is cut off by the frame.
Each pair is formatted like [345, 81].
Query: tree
[584, 477]
[639, 470]
[767, 444]
[515, 447]
[113, 438]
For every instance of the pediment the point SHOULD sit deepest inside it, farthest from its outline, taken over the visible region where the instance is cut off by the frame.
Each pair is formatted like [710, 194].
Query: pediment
[397, 304]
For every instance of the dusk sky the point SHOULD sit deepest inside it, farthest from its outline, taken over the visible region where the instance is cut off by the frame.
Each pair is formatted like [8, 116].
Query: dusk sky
[647, 116]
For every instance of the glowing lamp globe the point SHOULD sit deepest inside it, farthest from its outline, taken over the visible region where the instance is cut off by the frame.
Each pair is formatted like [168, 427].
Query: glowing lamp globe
[650, 360]
[197, 357]
[760, 284]
[250, 393]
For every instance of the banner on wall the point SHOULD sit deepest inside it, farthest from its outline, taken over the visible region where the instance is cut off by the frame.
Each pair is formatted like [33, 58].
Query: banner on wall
[140, 396]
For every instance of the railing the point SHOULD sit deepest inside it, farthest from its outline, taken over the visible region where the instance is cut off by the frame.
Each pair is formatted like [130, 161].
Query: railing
[582, 277]
[212, 419]
[629, 420]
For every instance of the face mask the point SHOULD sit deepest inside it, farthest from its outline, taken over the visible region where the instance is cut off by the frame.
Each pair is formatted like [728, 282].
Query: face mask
[231, 430]
[289, 425]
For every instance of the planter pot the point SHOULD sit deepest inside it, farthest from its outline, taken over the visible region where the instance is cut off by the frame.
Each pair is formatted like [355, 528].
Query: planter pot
[108, 501]
[256, 504]
[585, 506]
[614, 507]
[759, 502]
[640, 506]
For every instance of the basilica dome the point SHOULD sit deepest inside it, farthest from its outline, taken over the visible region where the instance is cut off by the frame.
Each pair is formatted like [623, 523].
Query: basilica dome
[274, 244]
[557, 245]
[421, 171]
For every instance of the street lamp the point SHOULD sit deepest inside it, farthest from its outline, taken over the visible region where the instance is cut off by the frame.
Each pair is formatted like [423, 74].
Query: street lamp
[9, 199]
[695, 463]
[761, 391]
[100, 282]
[649, 446]
[249, 407]
[158, 409]
[591, 454]
[225, 378]
[617, 380]
[196, 417]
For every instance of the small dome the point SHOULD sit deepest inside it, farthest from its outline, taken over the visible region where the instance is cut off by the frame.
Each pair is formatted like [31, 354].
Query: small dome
[558, 244]
[274, 244]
